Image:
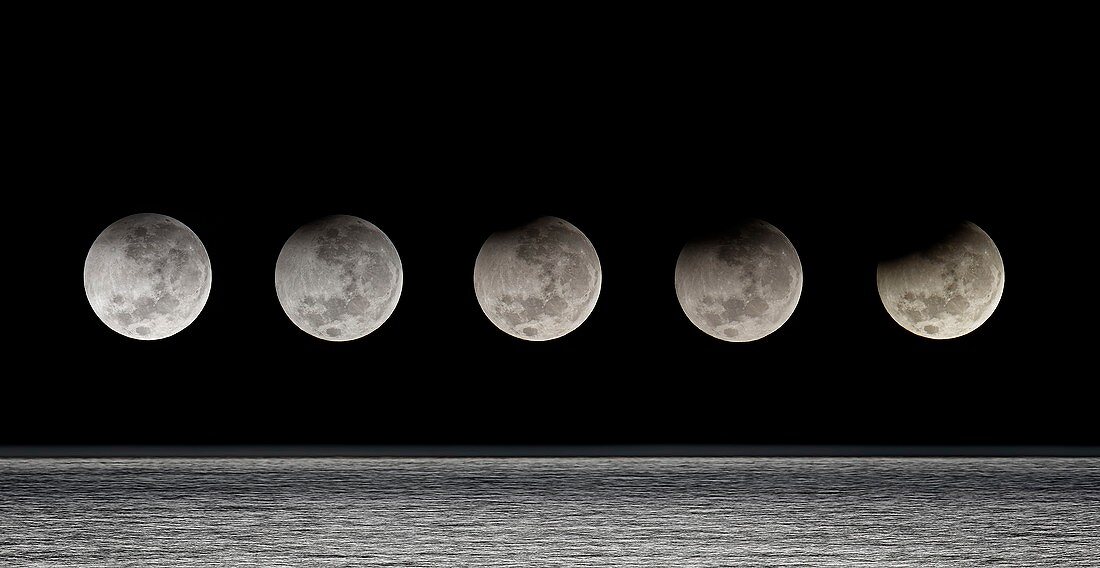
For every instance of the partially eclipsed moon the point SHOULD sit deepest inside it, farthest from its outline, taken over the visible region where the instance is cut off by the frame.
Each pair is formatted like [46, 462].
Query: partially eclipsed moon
[338, 278]
[539, 281]
[947, 290]
[147, 276]
[740, 285]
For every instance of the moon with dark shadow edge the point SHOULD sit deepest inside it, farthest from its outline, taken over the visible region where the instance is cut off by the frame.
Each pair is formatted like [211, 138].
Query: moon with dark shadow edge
[539, 281]
[739, 285]
[947, 290]
[147, 276]
[338, 278]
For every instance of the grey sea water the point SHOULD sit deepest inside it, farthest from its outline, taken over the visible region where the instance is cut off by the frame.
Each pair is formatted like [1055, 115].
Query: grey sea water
[550, 512]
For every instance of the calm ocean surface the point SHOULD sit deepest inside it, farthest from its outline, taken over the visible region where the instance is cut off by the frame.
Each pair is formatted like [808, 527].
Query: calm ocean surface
[669, 512]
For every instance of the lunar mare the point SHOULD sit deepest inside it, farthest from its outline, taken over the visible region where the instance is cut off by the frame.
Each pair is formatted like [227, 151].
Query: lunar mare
[538, 282]
[147, 276]
[947, 290]
[740, 285]
[338, 278]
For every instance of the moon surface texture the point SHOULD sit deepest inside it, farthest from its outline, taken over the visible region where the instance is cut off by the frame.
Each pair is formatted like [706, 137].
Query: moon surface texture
[740, 285]
[338, 278]
[147, 276]
[946, 290]
[538, 282]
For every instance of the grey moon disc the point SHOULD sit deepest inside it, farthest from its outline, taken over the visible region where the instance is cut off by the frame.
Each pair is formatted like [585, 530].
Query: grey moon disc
[740, 285]
[338, 278]
[946, 290]
[540, 281]
[147, 276]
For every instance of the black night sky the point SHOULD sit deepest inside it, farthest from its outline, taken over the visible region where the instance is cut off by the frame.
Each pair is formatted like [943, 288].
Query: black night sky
[855, 154]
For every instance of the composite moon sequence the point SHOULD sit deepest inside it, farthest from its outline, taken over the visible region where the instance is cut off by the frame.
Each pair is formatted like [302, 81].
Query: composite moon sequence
[740, 285]
[147, 276]
[947, 290]
[338, 278]
[538, 282]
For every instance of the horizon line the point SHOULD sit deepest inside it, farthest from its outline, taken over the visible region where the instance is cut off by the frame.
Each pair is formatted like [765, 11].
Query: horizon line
[538, 450]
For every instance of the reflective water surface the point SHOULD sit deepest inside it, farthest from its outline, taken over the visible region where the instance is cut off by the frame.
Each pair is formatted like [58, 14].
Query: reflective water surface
[550, 512]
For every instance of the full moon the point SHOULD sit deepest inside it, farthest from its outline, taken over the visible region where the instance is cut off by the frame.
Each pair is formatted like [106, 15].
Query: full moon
[147, 276]
[338, 278]
[539, 281]
[740, 285]
[947, 290]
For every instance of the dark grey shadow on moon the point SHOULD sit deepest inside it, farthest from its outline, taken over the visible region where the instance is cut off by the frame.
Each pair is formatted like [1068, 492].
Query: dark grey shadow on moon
[899, 240]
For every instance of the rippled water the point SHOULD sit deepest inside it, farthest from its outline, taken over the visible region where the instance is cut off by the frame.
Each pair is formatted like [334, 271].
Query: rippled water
[550, 512]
